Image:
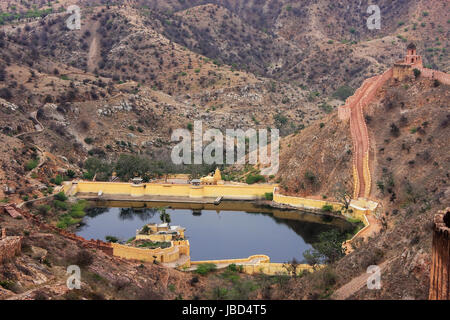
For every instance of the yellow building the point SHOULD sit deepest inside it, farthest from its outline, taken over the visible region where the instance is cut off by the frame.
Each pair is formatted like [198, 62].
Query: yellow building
[216, 178]
[160, 232]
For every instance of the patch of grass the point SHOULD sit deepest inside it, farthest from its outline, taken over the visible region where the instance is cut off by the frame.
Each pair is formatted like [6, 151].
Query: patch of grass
[150, 244]
[77, 209]
[343, 92]
[60, 205]
[205, 268]
[254, 178]
[8, 285]
[32, 164]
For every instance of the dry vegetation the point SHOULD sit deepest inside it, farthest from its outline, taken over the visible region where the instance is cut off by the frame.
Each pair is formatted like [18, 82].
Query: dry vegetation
[136, 72]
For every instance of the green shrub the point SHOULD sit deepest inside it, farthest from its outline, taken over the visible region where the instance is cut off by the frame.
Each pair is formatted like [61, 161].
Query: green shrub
[60, 205]
[112, 239]
[32, 164]
[70, 173]
[343, 92]
[44, 209]
[327, 208]
[88, 175]
[251, 179]
[269, 196]
[77, 210]
[66, 221]
[88, 140]
[61, 196]
[57, 180]
[205, 268]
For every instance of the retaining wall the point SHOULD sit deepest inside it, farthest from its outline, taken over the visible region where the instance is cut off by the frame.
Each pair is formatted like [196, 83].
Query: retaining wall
[235, 192]
[165, 255]
[274, 268]
[304, 203]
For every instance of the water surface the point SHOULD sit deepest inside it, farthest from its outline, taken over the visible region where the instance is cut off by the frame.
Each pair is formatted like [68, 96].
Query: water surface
[230, 230]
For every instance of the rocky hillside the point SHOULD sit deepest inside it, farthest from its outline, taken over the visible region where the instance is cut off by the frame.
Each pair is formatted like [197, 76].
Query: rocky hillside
[409, 131]
[138, 70]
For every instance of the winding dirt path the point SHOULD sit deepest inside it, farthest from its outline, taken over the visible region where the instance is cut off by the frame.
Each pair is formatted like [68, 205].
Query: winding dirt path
[94, 50]
[356, 284]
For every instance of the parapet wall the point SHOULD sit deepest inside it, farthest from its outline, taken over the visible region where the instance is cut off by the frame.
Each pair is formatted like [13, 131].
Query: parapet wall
[234, 192]
[434, 74]
[260, 257]
[165, 255]
[304, 203]
[274, 268]
[258, 264]
[440, 268]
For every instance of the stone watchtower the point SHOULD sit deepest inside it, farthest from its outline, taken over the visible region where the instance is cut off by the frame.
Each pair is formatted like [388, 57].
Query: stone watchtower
[404, 68]
[412, 57]
[440, 268]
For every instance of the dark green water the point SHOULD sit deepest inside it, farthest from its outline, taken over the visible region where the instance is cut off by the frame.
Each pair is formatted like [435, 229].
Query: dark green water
[230, 230]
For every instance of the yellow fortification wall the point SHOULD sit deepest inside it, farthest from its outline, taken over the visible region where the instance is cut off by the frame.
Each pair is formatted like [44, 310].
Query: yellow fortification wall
[165, 255]
[237, 192]
[274, 268]
[304, 202]
[257, 264]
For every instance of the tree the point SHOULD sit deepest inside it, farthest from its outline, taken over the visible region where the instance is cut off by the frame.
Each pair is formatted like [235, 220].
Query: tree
[291, 267]
[164, 216]
[312, 257]
[342, 196]
[330, 246]
[328, 249]
[130, 166]
[95, 166]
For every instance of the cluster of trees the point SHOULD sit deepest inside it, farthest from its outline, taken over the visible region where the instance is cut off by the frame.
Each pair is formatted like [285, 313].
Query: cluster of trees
[328, 248]
[130, 166]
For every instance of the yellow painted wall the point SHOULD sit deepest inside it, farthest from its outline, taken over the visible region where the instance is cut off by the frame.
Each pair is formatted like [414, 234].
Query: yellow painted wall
[241, 192]
[304, 202]
[165, 255]
[263, 258]
[263, 266]
[274, 268]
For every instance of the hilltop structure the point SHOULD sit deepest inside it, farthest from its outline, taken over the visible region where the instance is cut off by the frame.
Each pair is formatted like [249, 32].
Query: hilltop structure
[353, 110]
[404, 68]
